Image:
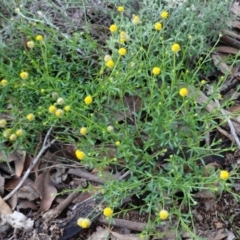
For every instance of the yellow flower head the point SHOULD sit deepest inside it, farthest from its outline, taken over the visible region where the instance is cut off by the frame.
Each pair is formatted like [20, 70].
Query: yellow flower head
[13, 137]
[24, 75]
[88, 100]
[7, 132]
[113, 28]
[59, 112]
[163, 214]
[176, 48]
[107, 58]
[122, 51]
[203, 82]
[107, 212]
[164, 14]
[19, 132]
[80, 154]
[3, 123]
[110, 128]
[83, 131]
[136, 20]
[60, 101]
[4, 82]
[183, 92]
[158, 26]
[67, 108]
[52, 109]
[156, 71]
[224, 175]
[30, 117]
[117, 143]
[110, 64]
[120, 8]
[123, 37]
[84, 222]
[30, 44]
[39, 38]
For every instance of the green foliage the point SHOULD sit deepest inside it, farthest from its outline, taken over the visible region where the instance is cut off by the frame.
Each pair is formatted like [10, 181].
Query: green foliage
[142, 120]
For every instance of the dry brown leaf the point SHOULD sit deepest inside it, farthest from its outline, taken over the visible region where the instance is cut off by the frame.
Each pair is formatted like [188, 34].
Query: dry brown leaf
[235, 108]
[13, 201]
[219, 63]
[125, 236]
[24, 204]
[235, 8]
[236, 24]
[132, 103]
[204, 193]
[100, 234]
[14, 156]
[44, 186]
[4, 207]
[226, 49]
[231, 34]
[2, 182]
[19, 164]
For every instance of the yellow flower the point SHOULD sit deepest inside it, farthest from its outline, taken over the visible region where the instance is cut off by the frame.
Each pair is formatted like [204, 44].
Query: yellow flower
[83, 131]
[52, 109]
[120, 8]
[183, 92]
[110, 128]
[13, 137]
[219, 96]
[30, 44]
[122, 51]
[136, 20]
[7, 132]
[3, 123]
[117, 143]
[84, 222]
[4, 82]
[24, 75]
[30, 117]
[107, 58]
[224, 175]
[59, 112]
[19, 132]
[88, 100]
[67, 108]
[164, 14]
[176, 48]
[113, 28]
[80, 154]
[39, 38]
[54, 95]
[60, 101]
[163, 214]
[123, 37]
[156, 71]
[107, 212]
[110, 63]
[203, 82]
[158, 26]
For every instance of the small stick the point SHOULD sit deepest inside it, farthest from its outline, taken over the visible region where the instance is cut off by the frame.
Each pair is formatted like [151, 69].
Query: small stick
[33, 163]
[136, 226]
[232, 129]
[54, 213]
